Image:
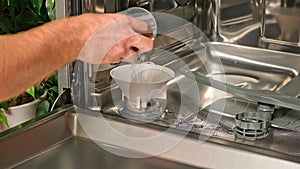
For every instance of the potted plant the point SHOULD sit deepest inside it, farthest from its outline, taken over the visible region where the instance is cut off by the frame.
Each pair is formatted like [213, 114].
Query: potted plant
[16, 16]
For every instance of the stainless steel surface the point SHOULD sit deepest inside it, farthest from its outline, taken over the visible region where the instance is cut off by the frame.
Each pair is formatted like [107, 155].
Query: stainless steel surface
[240, 22]
[80, 153]
[244, 68]
[64, 74]
[185, 10]
[287, 15]
[292, 87]
[260, 96]
[70, 147]
[247, 68]
[232, 20]
[99, 74]
[263, 82]
[290, 121]
[259, 68]
[31, 140]
[268, 67]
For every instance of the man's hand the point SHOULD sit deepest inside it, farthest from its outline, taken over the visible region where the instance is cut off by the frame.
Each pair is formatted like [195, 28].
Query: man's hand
[118, 38]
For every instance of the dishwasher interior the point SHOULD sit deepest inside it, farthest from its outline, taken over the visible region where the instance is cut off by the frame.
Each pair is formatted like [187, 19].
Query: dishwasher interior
[234, 99]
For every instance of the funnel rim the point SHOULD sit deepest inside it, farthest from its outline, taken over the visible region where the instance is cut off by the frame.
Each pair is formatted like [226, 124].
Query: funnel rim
[167, 70]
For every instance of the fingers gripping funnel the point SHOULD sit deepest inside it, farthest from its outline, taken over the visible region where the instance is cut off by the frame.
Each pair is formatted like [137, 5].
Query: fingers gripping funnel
[142, 82]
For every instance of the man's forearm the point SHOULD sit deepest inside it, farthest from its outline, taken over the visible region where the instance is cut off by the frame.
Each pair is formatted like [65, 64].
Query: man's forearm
[26, 58]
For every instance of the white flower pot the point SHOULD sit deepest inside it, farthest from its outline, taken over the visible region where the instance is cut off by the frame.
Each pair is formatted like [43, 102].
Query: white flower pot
[19, 114]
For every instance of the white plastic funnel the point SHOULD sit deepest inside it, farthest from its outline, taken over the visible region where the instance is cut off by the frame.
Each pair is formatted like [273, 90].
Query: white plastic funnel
[142, 82]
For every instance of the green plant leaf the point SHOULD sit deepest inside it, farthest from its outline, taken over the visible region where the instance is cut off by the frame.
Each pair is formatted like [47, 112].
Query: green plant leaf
[31, 92]
[3, 118]
[51, 99]
[27, 19]
[4, 106]
[53, 79]
[50, 6]
[14, 100]
[54, 89]
[42, 108]
[39, 90]
[11, 9]
[37, 5]
[6, 24]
